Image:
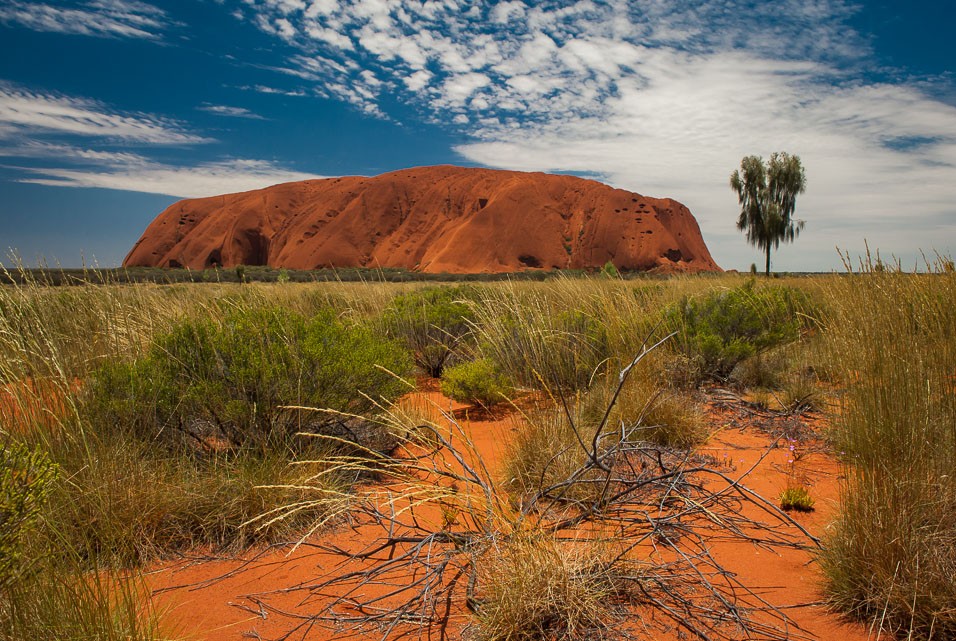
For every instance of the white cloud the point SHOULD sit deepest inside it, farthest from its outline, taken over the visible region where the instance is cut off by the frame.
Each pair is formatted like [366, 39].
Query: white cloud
[32, 112]
[682, 131]
[205, 179]
[418, 80]
[457, 89]
[33, 127]
[45, 150]
[503, 12]
[661, 98]
[285, 29]
[231, 112]
[102, 18]
[297, 93]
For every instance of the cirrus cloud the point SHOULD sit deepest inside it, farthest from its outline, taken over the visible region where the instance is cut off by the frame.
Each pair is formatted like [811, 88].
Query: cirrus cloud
[101, 18]
[193, 181]
[22, 110]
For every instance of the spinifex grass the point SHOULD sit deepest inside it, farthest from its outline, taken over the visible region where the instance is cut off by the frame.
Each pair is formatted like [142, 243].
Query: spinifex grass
[62, 601]
[891, 556]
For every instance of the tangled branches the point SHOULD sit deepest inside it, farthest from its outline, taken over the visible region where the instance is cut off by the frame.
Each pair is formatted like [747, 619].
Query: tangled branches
[620, 546]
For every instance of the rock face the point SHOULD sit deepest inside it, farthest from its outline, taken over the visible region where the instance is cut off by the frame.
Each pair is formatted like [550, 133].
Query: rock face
[431, 219]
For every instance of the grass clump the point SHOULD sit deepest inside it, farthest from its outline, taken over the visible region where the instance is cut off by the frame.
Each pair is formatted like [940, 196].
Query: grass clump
[548, 449]
[541, 347]
[796, 498]
[538, 589]
[891, 555]
[544, 453]
[723, 328]
[479, 381]
[431, 322]
[123, 502]
[64, 603]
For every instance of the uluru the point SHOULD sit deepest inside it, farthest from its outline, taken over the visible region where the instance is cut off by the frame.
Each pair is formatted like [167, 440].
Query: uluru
[442, 219]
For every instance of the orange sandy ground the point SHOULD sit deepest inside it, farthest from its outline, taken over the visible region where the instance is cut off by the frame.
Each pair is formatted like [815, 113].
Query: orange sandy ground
[206, 599]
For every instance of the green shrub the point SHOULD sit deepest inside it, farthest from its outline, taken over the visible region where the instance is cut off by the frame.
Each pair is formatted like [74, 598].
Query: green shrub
[26, 478]
[432, 322]
[610, 271]
[234, 379]
[479, 381]
[723, 328]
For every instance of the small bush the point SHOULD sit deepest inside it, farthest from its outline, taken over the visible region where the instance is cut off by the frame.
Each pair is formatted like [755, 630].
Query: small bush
[478, 381]
[26, 478]
[208, 383]
[432, 322]
[725, 327]
[610, 271]
[797, 498]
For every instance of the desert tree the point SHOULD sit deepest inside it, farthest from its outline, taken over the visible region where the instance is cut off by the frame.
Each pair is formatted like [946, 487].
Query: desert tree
[768, 198]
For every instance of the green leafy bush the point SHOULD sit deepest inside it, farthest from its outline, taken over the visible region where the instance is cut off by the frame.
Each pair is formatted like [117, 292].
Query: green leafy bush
[432, 322]
[610, 271]
[479, 381]
[723, 328]
[233, 380]
[26, 478]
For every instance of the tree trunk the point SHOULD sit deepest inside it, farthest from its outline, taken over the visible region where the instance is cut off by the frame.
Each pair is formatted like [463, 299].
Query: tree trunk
[768, 261]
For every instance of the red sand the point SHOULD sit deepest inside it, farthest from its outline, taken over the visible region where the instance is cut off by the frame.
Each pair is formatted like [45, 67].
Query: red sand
[32, 402]
[210, 605]
[432, 219]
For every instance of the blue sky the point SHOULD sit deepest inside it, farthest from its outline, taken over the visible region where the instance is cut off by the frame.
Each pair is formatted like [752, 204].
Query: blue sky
[110, 110]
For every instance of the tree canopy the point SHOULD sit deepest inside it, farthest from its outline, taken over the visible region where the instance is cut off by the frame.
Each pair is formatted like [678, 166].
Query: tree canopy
[768, 196]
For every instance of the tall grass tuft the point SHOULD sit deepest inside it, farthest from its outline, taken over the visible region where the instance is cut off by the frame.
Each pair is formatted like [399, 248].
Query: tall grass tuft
[542, 341]
[540, 589]
[891, 556]
[65, 603]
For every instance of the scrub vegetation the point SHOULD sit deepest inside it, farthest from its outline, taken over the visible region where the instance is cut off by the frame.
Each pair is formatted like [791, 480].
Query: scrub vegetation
[138, 422]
